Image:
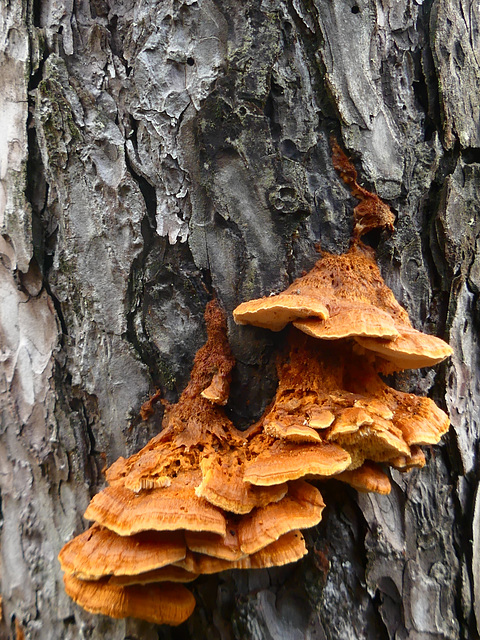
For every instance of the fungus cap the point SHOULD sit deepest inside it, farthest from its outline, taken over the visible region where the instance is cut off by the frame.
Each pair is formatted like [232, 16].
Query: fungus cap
[300, 509]
[225, 547]
[165, 603]
[319, 418]
[378, 441]
[291, 430]
[285, 461]
[356, 300]
[416, 459]
[350, 319]
[275, 312]
[165, 509]
[223, 484]
[418, 419]
[218, 390]
[367, 478]
[99, 552]
[349, 420]
[412, 349]
[165, 574]
[290, 547]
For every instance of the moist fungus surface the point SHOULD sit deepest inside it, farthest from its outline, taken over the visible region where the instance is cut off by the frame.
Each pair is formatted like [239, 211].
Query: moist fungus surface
[165, 603]
[358, 304]
[99, 552]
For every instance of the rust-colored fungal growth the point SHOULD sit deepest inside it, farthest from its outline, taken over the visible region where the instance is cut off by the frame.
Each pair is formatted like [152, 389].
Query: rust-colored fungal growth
[372, 212]
[165, 603]
[356, 303]
[99, 552]
[202, 497]
[283, 461]
[289, 547]
[328, 389]
[330, 392]
[300, 509]
[193, 428]
[169, 508]
[368, 478]
[182, 505]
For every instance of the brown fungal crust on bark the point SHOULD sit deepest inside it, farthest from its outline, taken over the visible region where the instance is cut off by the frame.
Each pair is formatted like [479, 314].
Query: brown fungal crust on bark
[147, 410]
[372, 212]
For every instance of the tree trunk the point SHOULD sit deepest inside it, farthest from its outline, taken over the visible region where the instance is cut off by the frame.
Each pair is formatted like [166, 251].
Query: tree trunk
[155, 154]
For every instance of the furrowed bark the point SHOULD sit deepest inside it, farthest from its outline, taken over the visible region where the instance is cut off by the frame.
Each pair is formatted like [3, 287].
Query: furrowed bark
[153, 155]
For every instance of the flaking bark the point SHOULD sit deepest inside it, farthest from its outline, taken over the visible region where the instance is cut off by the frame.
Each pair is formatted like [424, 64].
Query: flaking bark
[153, 154]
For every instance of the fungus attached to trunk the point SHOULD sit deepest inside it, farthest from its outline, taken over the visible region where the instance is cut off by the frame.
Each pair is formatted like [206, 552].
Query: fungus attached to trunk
[356, 303]
[165, 603]
[182, 506]
[330, 393]
[362, 419]
[202, 497]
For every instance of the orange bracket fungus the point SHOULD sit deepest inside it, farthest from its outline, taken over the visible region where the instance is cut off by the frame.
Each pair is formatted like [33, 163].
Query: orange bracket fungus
[182, 505]
[203, 497]
[330, 393]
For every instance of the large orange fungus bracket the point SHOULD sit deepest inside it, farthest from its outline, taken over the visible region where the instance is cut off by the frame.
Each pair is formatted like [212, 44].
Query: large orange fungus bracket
[203, 497]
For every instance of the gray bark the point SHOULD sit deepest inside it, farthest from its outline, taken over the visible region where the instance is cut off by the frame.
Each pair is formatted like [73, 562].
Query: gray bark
[153, 154]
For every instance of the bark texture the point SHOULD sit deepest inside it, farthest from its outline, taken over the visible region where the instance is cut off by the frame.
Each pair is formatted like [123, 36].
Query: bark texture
[153, 154]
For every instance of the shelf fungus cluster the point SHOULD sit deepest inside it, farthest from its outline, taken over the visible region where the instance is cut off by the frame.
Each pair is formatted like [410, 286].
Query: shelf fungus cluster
[331, 406]
[202, 497]
[331, 401]
[181, 506]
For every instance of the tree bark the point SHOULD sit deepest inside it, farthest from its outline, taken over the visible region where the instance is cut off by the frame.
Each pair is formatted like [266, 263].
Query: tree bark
[155, 154]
